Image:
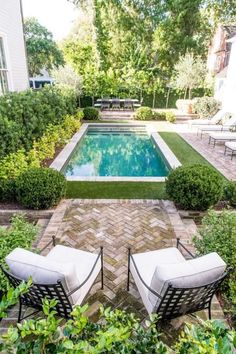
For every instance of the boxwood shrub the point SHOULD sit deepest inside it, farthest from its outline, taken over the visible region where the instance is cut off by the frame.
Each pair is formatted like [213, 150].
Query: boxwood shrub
[230, 193]
[40, 188]
[144, 113]
[195, 187]
[91, 113]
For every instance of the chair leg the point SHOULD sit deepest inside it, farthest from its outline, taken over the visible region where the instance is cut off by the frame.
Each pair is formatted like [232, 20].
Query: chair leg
[128, 275]
[209, 312]
[102, 272]
[20, 311]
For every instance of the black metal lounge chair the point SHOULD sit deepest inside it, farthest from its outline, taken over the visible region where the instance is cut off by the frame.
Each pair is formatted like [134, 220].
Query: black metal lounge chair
[74, 272]
[168, 294]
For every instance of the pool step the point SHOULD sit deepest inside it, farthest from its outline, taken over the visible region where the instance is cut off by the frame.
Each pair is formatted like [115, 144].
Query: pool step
[116, 115]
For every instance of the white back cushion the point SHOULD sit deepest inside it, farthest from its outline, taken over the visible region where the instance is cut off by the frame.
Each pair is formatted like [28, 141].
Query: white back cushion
[192, 273]
[219, 116]
[24, 264]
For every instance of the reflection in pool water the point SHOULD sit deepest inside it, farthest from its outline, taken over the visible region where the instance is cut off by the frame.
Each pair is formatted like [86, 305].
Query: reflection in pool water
[116, 153]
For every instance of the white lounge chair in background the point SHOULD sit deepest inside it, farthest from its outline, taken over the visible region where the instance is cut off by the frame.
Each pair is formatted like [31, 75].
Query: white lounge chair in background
[221, 114]
[221, 136]
[230, 145]
[217, 127]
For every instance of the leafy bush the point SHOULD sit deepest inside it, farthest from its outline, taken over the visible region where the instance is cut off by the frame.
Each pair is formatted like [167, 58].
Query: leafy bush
[91, 113]
[20, 234]
[230, 193]
[195, 187]
[209, 337]
[157, 115]
[24, 116]
[218, 234]
[40, 188]
[170, 117]
[116, 332]
[144, 113]
[205, 106]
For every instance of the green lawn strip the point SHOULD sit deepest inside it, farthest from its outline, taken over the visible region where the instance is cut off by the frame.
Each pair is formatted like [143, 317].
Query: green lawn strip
[116, 190]
[184, 152]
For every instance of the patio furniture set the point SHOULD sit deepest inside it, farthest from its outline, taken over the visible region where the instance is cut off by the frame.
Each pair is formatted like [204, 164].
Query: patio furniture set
[169, 284]
[117, 103]
[220, 128]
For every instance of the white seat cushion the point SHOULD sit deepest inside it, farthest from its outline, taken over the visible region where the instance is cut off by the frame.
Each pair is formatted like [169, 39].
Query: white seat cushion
[83, 262]
[146, 264]
[223, 136]
[231, 145]
[189, 274]
[24, 264]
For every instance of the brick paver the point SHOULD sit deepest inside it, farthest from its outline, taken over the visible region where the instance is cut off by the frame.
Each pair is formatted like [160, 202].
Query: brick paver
[143, 225]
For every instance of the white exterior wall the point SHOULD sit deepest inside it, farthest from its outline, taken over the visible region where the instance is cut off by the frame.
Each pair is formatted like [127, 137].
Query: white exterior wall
[11, 29]
[229, 94]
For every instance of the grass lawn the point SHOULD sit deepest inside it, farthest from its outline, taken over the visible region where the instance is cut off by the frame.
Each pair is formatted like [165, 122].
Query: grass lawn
[137, 190]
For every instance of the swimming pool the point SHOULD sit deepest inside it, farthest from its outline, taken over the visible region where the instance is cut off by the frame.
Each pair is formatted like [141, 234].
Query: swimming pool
[115, 152]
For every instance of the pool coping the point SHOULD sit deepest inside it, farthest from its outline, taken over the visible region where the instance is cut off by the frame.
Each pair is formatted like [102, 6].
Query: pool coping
[65, 154]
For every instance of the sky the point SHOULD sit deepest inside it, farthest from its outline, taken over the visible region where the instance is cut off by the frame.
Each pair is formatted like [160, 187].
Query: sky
[56, 15]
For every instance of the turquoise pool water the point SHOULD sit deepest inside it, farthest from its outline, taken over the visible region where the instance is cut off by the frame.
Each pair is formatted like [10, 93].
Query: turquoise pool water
[103, 152]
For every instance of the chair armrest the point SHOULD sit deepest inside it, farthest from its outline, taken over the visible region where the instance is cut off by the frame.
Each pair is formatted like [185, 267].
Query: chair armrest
[136, 268]
[100, 255]
[52, 242]
[179, 243]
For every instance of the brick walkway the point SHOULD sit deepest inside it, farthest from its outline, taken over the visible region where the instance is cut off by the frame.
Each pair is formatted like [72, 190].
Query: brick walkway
[215, 155]
[117, 225]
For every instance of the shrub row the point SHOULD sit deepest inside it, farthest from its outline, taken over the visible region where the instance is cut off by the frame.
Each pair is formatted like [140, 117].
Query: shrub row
[25, 116]
[20, 172]
[146, 113]
[91, 113]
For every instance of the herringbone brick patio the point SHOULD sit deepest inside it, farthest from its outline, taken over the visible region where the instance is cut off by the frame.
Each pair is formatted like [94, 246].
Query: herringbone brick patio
[143, 225]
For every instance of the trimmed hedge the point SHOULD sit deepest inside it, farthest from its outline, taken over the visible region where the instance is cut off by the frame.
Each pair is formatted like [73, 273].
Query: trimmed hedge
[24, 116]
[195, 187]
[205, 106]
[230, 193]
[40, 188]
[146, 113]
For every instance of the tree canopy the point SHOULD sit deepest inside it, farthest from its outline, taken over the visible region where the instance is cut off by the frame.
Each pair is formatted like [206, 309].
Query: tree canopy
[42, 50]
[134, 44]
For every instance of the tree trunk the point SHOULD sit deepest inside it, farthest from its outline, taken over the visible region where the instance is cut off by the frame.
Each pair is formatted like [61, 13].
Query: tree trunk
[185, 93]
[189, 93]
[92, 100]
[154, 99]
[167, 97]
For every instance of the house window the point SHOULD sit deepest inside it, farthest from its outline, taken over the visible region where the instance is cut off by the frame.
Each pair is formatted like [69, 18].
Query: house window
[3, 69]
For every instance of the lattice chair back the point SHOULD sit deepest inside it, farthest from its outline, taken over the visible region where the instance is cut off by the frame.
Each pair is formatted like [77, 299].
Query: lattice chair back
[181, 301]
[37, 292]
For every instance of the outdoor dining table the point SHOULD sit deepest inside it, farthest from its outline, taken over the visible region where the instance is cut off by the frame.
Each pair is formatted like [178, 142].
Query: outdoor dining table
[134, 100]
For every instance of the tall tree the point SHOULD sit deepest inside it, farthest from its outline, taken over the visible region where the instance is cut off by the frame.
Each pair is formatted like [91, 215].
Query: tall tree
[42, 50]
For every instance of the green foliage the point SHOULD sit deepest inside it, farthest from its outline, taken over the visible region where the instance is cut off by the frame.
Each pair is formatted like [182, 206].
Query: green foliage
[91, 113]
[11, 297]
[144, 113]
[40, 188]
[195, 187]
[209, 337]
[42, 50]
[116, 332]
[24, 116]
[205, 106]
[230, 192]
[218, 234]
[170, 117]
[20, 234]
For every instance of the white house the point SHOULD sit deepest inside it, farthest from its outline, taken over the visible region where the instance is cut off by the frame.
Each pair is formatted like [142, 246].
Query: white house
[228, 91]
[13, 62]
